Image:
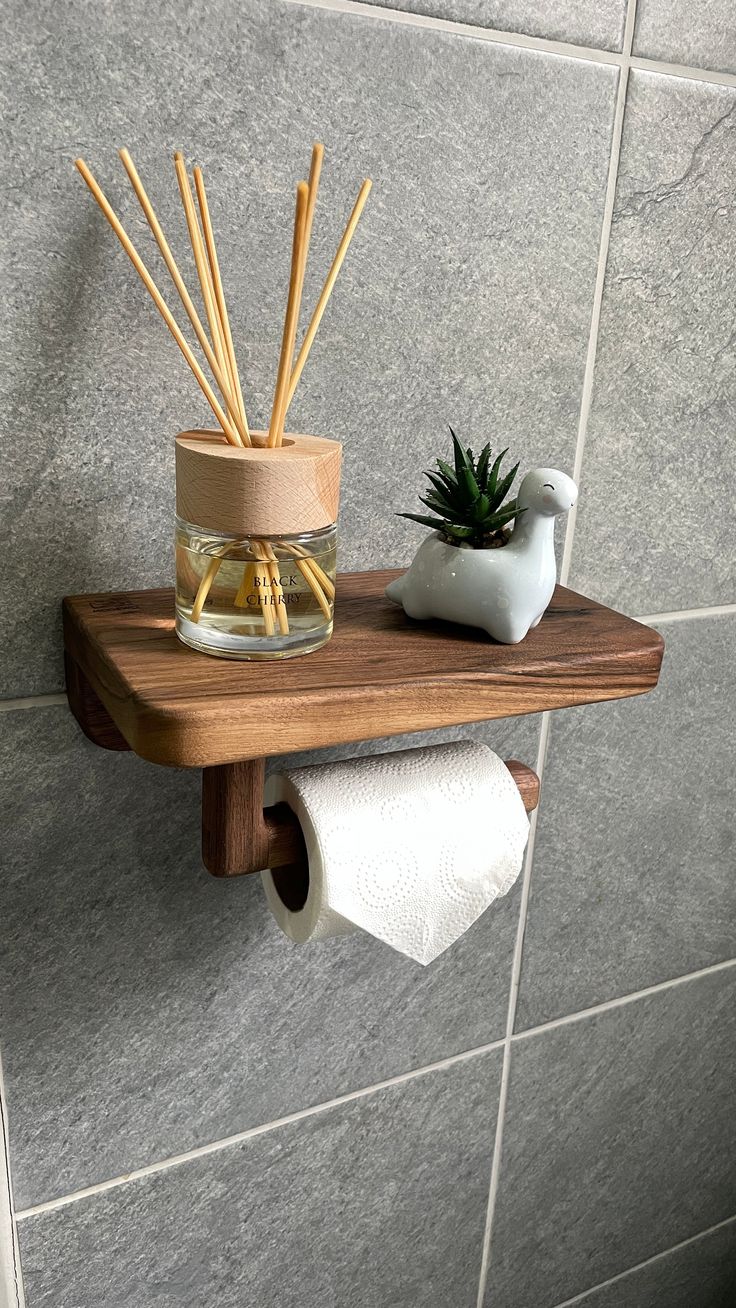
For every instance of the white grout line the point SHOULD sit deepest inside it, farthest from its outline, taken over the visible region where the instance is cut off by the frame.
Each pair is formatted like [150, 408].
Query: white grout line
[681, 70]
[589, 374]
[683, 615]
[406, 18]
[655, 1258]
[510, 1019]
[11, 1282]
[31, 702]
[567, 49]
[617, 133]
[623, 1000]
[216, 1146]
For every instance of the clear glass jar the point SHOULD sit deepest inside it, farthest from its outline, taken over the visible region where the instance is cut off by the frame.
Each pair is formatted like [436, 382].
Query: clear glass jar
[246, 598]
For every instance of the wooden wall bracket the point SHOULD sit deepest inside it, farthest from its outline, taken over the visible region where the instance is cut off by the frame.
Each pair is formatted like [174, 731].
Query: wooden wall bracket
[132, 685]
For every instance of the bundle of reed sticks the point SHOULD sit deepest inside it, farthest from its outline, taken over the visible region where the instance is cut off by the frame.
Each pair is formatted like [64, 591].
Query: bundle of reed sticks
[216, 344]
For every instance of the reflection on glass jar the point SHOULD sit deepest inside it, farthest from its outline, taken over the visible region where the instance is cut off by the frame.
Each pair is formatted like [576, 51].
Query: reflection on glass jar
[247, 598]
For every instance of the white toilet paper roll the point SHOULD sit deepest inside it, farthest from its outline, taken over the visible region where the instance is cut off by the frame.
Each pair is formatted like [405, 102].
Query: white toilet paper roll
[411, 847]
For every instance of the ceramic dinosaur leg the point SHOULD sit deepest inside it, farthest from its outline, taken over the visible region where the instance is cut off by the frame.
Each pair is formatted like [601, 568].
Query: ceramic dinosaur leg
[506, 630]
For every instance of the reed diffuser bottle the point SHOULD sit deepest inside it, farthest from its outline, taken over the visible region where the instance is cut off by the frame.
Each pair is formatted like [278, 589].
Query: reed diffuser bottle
[258, 581]
[256, 512]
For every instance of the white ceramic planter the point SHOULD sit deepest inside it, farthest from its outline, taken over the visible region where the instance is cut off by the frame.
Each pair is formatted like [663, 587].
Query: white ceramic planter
[505, 591]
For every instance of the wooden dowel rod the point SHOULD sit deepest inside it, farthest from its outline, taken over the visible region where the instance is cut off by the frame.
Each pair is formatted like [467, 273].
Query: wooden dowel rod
[314, 586]
[315, 171]
[321, 305]
[203, 274]
[219, 292]
[272, 564]
[278, 412]
[205, 586]
[179, 283]
[158, 299]
[263, 587]
[326, 583]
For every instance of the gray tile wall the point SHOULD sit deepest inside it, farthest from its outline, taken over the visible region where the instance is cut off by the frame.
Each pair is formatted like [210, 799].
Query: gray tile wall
[701, 36]
[197, 1111]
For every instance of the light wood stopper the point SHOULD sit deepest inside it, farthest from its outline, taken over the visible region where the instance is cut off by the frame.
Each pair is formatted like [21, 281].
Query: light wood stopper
[280, 491]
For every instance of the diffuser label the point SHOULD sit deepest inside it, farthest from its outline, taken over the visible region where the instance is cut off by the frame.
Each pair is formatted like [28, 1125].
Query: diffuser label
[263, 594]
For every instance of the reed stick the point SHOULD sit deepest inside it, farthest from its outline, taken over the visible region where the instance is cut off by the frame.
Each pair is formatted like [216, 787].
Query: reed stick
[264, 590]
[158, 300]
[216, 278]
[196, 240]
[205, 586]
[315, 171]
[245, 587]
[178, 281]
[203, 274]
[315, 587]
[278, 412]
[320, 575]
[321, 305]
[273, 572]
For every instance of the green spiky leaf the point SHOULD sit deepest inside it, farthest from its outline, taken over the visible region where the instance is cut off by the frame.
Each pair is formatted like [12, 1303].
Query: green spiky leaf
[465, 499]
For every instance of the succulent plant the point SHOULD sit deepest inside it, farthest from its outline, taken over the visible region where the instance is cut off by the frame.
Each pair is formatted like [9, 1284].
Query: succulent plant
[467, 500]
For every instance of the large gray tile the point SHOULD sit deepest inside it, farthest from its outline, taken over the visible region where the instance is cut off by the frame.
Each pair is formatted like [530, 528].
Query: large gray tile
[701, 1274]
[655, 530]
[701, 36]
[633, 867]
[379, 1203]
[619, 1142]
[598, 23]
[465, 297]
[146, 1008]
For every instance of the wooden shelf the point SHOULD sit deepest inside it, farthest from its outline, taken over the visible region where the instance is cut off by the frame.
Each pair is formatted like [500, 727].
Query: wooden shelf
[380, 675]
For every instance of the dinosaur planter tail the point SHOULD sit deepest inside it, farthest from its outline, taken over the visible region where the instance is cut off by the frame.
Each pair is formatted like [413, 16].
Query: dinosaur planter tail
[504, 591]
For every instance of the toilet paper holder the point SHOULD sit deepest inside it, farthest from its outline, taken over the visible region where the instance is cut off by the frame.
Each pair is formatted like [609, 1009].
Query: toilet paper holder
[133, 686]
[240, 836]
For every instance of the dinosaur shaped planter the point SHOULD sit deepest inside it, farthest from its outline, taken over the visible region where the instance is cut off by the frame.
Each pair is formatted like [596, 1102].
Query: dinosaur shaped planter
[505, 590]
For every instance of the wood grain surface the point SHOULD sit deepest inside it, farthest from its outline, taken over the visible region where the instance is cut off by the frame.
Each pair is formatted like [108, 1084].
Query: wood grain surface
[380, 675]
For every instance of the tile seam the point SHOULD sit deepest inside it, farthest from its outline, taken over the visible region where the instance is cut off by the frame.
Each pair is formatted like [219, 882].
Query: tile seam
[32, 701]
[11, 1278]
[621, 1001]
[522, 40]
[664, 1253]
[514, 978]
[586, 396]
[467, 1055]
[263, 1128]
[711, 75]
[585, 403]
[687, 615]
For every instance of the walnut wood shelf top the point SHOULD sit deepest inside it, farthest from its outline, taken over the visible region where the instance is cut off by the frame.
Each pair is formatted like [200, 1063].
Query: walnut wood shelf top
[380, 675]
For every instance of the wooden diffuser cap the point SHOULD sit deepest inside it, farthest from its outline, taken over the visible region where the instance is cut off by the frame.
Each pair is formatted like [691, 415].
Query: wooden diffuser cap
[282, 491]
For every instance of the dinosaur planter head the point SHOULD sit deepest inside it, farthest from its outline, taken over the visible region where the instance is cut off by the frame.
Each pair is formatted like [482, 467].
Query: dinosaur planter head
[505, 590]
